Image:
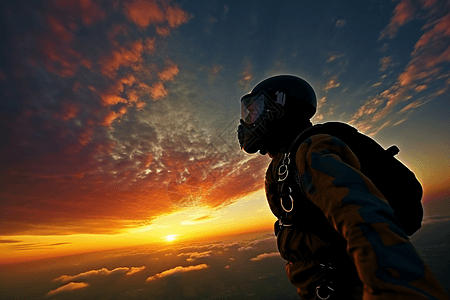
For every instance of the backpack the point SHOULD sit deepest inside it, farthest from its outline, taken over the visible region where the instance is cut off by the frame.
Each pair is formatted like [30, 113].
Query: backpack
[393, 179]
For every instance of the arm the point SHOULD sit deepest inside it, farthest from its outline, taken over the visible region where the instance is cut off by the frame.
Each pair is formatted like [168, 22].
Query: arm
[387, 263]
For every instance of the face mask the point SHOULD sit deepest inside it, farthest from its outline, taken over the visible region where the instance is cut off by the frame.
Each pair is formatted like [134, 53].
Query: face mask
[259, 115]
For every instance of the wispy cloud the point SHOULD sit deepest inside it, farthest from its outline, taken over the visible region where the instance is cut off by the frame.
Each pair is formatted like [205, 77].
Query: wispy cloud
[35, 246]
[9, 241]
[385, 62]
[331, 84]
[246, 76]
[403, 13]
[334, 56]
[265, 255]
[425, 66]
[178, 269]
[99, 272]
[340, 23]
[71, 286]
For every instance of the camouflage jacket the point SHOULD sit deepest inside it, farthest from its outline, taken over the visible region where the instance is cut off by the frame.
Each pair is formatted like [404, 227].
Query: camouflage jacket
[374, 258]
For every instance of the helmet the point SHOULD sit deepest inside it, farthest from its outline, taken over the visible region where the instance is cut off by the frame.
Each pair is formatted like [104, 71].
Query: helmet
[273, 110]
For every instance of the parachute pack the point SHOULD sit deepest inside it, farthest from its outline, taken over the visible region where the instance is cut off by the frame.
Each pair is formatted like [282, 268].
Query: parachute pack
[393, 179]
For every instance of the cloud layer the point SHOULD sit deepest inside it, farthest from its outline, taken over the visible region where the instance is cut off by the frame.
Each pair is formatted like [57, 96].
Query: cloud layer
[178, 269]
[71, 286]
[100, 272]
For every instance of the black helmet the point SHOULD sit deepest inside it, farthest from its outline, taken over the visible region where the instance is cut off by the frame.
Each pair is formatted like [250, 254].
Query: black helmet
[274, 109]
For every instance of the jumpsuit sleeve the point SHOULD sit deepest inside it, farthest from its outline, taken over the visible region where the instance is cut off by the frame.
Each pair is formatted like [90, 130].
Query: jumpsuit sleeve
[386, 261]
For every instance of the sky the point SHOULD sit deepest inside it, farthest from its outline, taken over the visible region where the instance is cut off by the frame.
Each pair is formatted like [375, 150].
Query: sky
[119, 118]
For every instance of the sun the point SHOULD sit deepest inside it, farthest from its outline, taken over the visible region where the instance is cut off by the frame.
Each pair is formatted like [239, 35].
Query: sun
[170, 238]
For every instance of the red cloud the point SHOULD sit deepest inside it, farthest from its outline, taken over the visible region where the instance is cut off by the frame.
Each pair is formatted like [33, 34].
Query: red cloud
[59, 29]
[68, 111]
[85, 10]
[144, 13]
[58, 56]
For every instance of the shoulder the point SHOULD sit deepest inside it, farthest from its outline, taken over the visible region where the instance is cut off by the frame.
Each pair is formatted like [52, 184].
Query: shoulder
[324, 145]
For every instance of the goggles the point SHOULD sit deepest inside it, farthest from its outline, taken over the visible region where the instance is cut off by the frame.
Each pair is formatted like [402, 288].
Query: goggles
[253, 105]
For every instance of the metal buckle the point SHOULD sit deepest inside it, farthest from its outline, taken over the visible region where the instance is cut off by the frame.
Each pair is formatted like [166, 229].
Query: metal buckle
[283, 169]
[328, 292]
[292, 204]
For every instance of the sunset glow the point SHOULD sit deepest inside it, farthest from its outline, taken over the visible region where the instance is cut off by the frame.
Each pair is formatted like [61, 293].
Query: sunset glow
[170, 238]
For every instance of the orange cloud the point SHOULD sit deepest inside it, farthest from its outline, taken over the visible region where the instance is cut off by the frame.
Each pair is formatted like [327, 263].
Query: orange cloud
[403, 13]
[176, 270]
[334, 56]
[195, 255]
[113, 94]
[247, 75]
[158, 91]
[421, 88]
[331, 84]
[71, 286]
[144, 13]
[169, 73]
[245, 248]
[148, 160]
[265, 255]
[385, 62]
[86, 136]
[134, 270]
[428, 3]
[99, 272]
[149, 45]
[176, 16]
[126, 57]
[163, 31]
[412, 105]
[111, 116]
